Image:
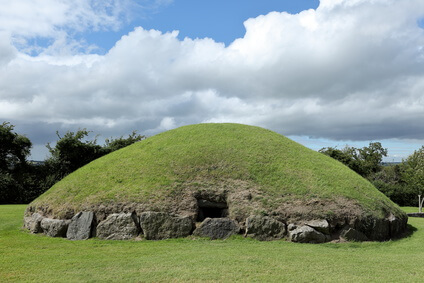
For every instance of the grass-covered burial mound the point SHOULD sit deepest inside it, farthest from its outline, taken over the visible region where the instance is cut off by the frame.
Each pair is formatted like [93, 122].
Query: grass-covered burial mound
[216, 180]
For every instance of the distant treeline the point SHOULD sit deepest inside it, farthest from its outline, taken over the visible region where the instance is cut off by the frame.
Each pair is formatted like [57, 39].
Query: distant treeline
[402, 181]
[21, 180]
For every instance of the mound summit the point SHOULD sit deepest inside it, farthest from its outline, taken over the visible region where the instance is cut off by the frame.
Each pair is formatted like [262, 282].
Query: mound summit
[216, 180]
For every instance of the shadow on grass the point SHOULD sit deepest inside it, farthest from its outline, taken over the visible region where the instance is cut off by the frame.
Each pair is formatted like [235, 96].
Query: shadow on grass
[410, 230]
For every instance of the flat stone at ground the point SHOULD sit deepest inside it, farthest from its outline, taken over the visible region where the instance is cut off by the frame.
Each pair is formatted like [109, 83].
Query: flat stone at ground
[217, 228]
[351, 234]
[158, 225]
[417, 214]
[33, 223]
[54, 227]
[319, 225]
[264, 228]
[306, 234]
[118, 226]
[81, 226]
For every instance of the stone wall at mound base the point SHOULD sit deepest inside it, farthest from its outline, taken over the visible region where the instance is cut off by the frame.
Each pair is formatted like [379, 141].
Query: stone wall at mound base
[157, 225]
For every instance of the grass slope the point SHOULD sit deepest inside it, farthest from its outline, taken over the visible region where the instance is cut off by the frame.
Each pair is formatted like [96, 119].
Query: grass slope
[209, 154]
[27, 257]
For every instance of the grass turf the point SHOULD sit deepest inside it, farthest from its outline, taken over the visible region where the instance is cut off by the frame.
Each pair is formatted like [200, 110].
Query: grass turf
[28, 257]
[164, 165]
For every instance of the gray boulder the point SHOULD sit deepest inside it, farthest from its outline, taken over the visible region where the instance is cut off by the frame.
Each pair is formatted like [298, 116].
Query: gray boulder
[54, 227]
[81, 226]
[351, 234]
[33, 223]
[306, 234]
[397, 225]
[291, 226]
[158, 225]
[320, 225]
[119, 226]
[381, 229]
[376, 229]
[217, 228]
[264, 228]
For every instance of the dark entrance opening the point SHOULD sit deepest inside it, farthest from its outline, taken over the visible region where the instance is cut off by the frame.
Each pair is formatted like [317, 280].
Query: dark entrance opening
[211, 209]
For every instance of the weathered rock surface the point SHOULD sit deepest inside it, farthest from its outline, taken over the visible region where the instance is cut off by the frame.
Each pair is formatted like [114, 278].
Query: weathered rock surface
[319, 225]
[54, 227]
[417, 214]
[217, 228]
[397, 225]
[33, 223]
[81, 226]
[381, 229]
[306, 234]
[119, 226]
[291, 227]
[351, 234]
[158, 225]
[264, 228]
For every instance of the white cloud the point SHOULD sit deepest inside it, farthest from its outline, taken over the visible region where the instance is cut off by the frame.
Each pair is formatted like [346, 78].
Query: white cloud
[348, 70]
[57, 21]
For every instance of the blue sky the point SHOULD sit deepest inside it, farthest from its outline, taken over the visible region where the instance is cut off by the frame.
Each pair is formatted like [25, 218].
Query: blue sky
[221, 20]
[325, 73]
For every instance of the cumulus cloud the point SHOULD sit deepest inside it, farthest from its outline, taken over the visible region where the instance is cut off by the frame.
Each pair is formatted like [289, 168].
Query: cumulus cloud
[347, 70]
[58, 21]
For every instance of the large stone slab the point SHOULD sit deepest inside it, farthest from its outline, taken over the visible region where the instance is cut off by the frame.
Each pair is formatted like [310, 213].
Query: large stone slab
[158, 225]
[264, 228]
[307, 234]
[417, 214]
[397, 225]
[217, 228]
[376, 229]
[54, 227]
[320, 225]
[81, 226]
[33, 223]
[351, 234]
[382, 229]
[119, 226]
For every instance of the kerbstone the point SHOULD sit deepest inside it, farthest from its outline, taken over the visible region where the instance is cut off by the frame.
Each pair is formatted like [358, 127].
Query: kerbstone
[351, 234]
[54, 227]
[306, 234]
[264, 228]
[119, 226]
[33, 223]
[320, 225]
[81, 226]
[217, 228]
[158, 225]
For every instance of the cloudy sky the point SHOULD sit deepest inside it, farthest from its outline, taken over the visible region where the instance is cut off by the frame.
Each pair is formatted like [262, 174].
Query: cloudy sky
[325, 73]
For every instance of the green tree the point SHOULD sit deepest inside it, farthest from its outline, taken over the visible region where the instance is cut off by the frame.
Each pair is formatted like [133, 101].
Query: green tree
[413, 173]
[390, 181]
[365, 161]
[115, 144]
[74, 150]
[370, 158]
[14, 150]
[71, 152]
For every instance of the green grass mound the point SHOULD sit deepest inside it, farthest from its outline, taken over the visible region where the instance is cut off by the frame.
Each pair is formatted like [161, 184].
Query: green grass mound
[250, 169]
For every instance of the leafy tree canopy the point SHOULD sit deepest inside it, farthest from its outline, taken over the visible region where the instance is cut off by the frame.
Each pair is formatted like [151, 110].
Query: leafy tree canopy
[413, 170]
[14, 149]
[365, 161]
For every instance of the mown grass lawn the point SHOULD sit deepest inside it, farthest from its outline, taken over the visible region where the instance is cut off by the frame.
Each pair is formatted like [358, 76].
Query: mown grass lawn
[27, 257]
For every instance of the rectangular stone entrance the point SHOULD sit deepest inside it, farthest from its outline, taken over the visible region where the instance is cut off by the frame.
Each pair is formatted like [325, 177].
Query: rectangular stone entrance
[210, 209]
